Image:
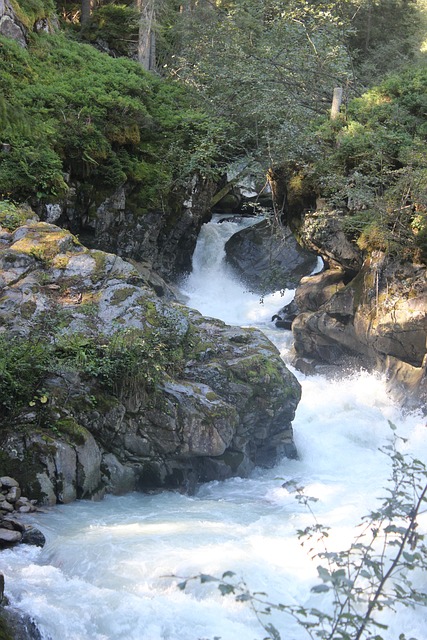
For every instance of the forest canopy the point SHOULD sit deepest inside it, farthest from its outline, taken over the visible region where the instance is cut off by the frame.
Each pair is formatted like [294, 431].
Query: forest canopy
[230, 80]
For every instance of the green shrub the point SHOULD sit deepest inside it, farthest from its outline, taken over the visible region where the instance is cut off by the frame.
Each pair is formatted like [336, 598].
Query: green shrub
[373, 165]
[66, 107]
[12, 216]
[116, 25]
[24, 363]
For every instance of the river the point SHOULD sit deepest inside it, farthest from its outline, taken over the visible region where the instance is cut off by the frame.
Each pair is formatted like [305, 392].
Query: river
[104, 571]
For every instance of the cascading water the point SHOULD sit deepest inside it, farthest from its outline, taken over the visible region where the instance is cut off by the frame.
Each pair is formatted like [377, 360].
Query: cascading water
[103, 572]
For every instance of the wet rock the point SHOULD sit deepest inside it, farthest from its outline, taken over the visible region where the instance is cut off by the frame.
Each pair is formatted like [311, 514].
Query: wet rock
[229, 396]
[33, 536]
[13, 495]
[380, 317]
[268, 258]
[6, 506]
[8, 536]
[8, 482]
[322, 232]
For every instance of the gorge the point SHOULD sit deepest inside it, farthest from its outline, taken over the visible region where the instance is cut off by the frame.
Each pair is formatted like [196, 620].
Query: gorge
[186, 398]
[105, 570]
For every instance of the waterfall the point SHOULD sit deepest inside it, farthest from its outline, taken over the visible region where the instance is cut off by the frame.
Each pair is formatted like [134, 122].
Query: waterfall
[104, 573]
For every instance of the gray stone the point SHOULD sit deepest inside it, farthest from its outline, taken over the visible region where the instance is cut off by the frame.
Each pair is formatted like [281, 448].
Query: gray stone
[6, 506]
[13, 494]
[231, 398]
[8, 536]
[11, 29]
[322, 232]
[7, 481]
[33, 536]
[268, 259]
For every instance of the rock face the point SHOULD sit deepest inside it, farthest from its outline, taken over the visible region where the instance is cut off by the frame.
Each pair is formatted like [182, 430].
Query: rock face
[380, 317]
[322, 232]
[164, 240]
[10, 25]
[268, 259]
[208, 401]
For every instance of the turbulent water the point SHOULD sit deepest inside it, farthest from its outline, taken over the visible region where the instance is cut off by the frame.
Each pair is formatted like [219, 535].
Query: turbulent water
[104, 573]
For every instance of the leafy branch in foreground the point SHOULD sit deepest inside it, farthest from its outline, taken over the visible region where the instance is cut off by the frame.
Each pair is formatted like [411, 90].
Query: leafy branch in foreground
[372, 575]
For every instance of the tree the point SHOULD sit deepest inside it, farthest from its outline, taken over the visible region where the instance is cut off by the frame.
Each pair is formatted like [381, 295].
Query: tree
[146, 37]
[267, 67]
[86, 12]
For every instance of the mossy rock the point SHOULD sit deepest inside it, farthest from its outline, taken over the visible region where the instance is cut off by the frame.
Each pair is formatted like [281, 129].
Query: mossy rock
[71, 430]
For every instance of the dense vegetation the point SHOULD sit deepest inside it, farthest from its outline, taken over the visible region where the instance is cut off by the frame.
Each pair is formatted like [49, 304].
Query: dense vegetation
[371, 164]
[66, 109]
[237, 81]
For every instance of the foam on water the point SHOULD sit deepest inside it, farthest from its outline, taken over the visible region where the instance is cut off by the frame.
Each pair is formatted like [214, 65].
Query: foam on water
[105, 572]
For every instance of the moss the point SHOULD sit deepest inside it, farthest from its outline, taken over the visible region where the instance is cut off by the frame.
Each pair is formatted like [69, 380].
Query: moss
[12, 216]
[120, 295]
[26, 468]
[60, 261]
[43, 246]
[105, 403]
[29, 11]
[151, 313]
[70, 427]
[100, 258]
[6, 633]
[28, 309]
[258, 368]
[211, 396]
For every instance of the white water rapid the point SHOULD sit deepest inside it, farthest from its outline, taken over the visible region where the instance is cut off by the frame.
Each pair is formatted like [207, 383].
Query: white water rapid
[101, 575]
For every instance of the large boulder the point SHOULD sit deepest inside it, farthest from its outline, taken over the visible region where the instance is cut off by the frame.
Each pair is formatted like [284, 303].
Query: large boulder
[380, 317]
[268, 258]
[136, 391]
[10, 25]
[322, 232]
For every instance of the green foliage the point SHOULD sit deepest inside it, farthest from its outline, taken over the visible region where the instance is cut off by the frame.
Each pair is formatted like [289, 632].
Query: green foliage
[375, 55]
[265, 68]
[12, 216]
[374, 574]
[66, 107]
[373, 166]
[116, 25]
[128, 360]
[24, 362]
[29, 11]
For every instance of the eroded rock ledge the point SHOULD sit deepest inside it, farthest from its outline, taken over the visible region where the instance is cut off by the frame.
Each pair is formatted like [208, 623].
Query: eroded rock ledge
[223, 402]
[371, 311]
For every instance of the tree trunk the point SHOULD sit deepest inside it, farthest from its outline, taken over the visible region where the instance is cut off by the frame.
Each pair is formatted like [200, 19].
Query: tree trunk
[276, 177]
[86, 12]
[336, 103]
[146, 37]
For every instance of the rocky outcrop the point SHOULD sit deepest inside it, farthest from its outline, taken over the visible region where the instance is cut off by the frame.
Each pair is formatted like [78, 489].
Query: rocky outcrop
[162, 240]
[322, 232]
[203, 401]
[12, 504]
[16, 26]
[10, 25]
[268, 258]
[380, 317]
